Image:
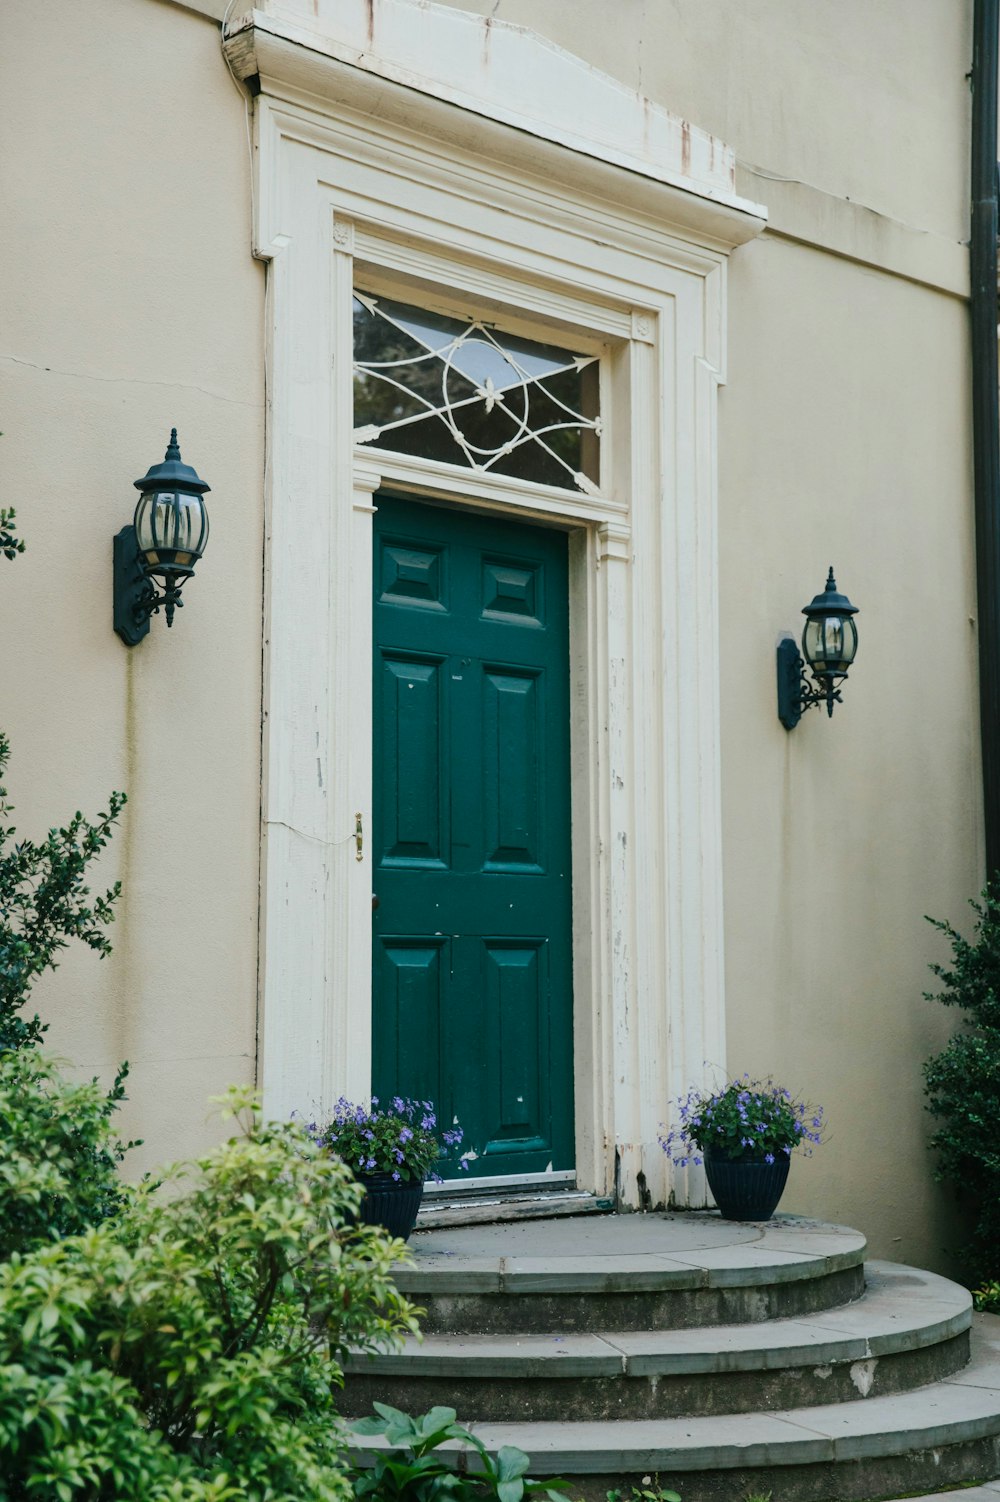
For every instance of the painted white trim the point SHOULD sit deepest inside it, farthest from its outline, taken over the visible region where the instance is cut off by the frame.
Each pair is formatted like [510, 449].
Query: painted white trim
[490, 68]
[419, 210]
[289, 66]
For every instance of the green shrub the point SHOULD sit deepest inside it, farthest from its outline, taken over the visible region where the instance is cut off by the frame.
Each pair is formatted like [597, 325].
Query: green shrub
[44, 902]
[415, 1471]
[184, 1350]
[986, 1298]
[648, 1490]
[10, 543]
[59, 1154]
[963, 1083]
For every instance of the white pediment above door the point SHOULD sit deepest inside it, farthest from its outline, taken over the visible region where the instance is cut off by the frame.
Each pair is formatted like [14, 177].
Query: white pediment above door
[402, 55]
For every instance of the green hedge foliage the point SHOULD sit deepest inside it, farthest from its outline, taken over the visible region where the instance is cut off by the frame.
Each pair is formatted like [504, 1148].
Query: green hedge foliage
[963, 1083]
[44, 903]
[183, 1348]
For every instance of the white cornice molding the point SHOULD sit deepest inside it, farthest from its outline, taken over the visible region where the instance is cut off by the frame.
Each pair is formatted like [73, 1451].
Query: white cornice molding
[428, 68]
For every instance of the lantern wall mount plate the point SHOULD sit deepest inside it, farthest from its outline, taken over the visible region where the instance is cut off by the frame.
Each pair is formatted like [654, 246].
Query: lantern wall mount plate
[168, 535]
[829, 646]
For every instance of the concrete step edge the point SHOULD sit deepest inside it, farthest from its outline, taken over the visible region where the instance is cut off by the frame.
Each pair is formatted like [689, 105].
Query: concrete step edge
[786, 1249]
[956, 1410]
[904, 1309]
[987, 1491]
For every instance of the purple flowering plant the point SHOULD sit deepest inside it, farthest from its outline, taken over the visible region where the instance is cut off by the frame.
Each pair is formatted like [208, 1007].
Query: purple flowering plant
[400, 1138]
[747, 1120]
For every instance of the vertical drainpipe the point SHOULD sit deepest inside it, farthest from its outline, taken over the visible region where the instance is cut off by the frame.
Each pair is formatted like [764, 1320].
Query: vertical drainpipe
[985, 416]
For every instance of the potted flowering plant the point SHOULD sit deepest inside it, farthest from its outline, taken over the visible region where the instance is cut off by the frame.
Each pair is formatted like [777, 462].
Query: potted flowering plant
[745, 1135]
[392, 1149]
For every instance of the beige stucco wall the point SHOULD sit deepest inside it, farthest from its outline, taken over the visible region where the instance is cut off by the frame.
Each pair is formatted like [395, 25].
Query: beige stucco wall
[863, 102]
[841, 443]
[130, 304]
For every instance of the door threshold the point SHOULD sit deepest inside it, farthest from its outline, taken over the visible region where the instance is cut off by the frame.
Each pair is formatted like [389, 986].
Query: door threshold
[468, 1184]
[483, 1207]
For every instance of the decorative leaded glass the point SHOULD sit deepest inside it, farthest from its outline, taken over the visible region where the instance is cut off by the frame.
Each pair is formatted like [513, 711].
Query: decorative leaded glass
[464, 393]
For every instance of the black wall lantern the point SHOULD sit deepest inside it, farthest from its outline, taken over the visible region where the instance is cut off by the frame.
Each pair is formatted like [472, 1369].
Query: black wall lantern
[167, 537]
[829, 644]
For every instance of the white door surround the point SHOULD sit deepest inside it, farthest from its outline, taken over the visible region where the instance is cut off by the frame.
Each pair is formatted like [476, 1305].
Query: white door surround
[404, 185]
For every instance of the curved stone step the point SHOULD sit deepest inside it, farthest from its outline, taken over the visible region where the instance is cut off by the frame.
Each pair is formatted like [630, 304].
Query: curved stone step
[634, 1272]
[909, 1329]
[988, 1492]
[942, 1434]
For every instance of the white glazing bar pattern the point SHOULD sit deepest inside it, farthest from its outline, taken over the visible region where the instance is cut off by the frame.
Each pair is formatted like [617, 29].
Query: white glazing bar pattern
[474, 395]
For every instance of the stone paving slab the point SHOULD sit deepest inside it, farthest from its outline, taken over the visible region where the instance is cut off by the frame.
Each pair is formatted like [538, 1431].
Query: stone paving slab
[633, 1253]
[957, 1410]
[450, 1274]
[930, 1418]
[990, 1492]
[490, 1356]
[593, 1236]
[650, 1445]
[746, 1266]
[902, 1310]
[985, 1371]
[603, 1274]
[893, 1316]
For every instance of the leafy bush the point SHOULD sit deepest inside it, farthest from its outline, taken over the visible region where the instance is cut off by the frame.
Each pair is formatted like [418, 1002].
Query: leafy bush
[747, 1119]
[44, 903]
[649, 1490]
[399, 1139]
[184, 1351]
[59, 1157]
[10, 543]
[963, 1082]
[987, 1298]
[414, 1473]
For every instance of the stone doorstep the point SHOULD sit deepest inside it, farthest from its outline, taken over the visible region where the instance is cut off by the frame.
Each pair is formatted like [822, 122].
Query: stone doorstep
[903, 1310]
[628, 1254]
[958, 1410]
[481, 1209]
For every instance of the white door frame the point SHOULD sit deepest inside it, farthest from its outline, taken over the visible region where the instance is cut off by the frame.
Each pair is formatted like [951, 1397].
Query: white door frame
[356, 170]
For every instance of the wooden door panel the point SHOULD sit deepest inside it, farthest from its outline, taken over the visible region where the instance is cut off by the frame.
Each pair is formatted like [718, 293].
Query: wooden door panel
[472, 958]
[412, 761]
[516, 993]
[513, 591]
[408, 1043]
[513, 771]
[415, 576]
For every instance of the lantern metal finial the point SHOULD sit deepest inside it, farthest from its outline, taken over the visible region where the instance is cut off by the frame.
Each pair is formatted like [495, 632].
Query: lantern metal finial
[829, 646]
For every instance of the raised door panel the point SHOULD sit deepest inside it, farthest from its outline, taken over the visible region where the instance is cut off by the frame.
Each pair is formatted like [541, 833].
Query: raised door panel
[412, 762]
[517, 994]
[409, 1041]
[513, 770]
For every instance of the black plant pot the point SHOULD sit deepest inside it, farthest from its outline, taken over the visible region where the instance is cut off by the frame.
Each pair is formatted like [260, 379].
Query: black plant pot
[746, 1190]
[390, 1203]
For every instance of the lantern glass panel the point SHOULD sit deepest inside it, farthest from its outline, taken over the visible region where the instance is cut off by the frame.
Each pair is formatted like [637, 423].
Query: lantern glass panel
[829, 643]
[172, 528]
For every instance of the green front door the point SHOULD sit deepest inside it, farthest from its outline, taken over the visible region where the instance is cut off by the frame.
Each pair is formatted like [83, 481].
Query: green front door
[472, 962]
